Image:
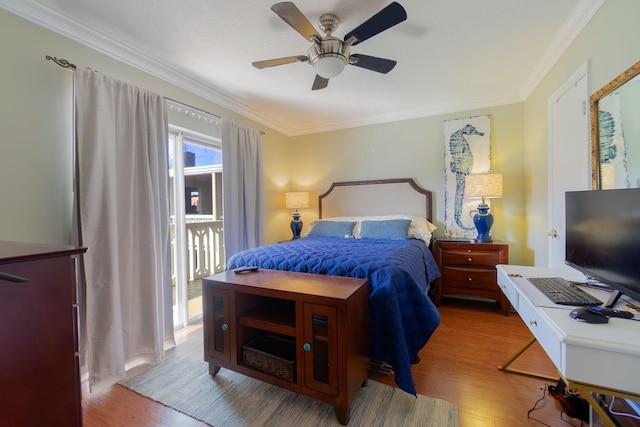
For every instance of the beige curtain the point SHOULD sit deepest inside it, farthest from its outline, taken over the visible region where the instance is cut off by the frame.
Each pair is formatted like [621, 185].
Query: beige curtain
[123, 201]
[242, 187]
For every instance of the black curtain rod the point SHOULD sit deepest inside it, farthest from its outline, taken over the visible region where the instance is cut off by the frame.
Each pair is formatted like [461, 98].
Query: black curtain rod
[68, 65]
[61, 62]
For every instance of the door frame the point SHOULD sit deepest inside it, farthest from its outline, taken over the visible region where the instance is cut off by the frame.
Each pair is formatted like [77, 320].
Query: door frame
[179, 252]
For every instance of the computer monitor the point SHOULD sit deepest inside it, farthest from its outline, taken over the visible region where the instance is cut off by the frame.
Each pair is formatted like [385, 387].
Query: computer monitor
[603, 238]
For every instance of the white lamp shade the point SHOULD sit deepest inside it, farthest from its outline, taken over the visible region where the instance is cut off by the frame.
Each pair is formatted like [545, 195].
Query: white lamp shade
[329, 66]
[483, 185]
[297, 199]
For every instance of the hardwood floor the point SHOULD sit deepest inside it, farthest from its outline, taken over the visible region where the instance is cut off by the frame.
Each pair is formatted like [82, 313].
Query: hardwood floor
[117, 406]
[459, 364]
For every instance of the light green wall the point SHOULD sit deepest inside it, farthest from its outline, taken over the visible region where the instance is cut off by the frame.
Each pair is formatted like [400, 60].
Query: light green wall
[36, 124]
[414, 149]
[35, 154]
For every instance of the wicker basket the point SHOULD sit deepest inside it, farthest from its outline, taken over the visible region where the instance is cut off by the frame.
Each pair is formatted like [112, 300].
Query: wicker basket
[273, 356]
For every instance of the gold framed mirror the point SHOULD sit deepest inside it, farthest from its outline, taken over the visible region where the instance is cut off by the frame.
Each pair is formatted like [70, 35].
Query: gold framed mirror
[615, 132]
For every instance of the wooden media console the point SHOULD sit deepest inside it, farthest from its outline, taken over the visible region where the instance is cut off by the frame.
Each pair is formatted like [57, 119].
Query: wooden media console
[303, 332]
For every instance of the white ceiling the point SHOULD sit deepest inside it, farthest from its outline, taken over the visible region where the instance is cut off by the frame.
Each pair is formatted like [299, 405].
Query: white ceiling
[453, 55]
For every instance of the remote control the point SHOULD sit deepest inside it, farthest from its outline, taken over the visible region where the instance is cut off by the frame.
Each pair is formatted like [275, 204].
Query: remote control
[610, 312]
[241, 270]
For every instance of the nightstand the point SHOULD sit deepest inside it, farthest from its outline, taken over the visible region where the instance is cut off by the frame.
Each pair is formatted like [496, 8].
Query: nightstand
[469, 268]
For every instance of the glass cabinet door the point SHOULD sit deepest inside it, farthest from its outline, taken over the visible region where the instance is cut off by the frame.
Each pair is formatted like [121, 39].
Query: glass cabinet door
[217, 324]
[320, 348]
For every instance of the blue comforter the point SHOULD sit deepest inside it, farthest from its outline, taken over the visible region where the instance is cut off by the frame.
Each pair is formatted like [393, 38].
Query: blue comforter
[402, 317]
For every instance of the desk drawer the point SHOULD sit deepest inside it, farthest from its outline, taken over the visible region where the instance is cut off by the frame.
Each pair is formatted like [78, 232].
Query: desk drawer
[469, 278]
[480, 258]
[507, 288]
[548, 337]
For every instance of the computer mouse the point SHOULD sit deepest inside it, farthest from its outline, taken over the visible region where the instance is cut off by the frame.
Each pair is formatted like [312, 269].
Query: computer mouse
[588, 316]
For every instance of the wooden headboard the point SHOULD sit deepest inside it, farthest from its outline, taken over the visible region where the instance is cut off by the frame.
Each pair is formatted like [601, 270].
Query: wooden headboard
[376, 197]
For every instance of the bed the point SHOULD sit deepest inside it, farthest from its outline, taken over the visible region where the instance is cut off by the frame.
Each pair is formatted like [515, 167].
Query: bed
[387, 243]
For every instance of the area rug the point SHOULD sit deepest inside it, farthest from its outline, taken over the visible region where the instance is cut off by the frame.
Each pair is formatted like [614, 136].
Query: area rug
[182, 382]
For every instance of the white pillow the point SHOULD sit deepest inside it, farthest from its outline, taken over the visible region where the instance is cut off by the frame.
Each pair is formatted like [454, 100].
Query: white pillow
[419, 228]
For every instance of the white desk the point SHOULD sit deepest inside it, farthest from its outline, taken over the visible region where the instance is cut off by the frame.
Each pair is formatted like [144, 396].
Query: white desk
[602, 358]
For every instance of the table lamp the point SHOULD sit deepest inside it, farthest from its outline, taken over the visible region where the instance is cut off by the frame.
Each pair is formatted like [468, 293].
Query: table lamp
[296, 200]
[484, 186]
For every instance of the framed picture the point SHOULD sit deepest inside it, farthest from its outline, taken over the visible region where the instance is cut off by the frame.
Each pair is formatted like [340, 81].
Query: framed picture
[467, 150]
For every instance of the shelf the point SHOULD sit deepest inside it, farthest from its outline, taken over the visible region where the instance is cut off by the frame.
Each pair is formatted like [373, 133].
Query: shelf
[277, 321]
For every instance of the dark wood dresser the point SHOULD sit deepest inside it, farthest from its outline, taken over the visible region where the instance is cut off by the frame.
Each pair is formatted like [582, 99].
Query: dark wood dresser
[39, 365]
[469, 268]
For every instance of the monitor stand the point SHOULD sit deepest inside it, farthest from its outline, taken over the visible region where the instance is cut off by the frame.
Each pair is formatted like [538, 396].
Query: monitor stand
[613, 299]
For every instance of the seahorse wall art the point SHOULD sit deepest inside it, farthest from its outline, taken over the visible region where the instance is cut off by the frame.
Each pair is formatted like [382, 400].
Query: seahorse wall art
[613, 152]
[467, 151]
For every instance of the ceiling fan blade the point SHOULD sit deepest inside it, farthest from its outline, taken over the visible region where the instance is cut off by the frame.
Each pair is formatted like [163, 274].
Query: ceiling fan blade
[292, 16]
[279, 61]
[383, 20]
[373, 63]
[319, 83]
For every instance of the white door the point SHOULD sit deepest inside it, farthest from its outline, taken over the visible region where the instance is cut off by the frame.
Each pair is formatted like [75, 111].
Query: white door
[569, 155]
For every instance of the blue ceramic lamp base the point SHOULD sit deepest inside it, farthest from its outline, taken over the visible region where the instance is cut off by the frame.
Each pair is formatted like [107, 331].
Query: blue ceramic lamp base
[483, 221]
[296, 226]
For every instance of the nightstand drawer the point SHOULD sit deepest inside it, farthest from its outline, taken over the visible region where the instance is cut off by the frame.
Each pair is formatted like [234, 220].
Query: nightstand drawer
[470, 257]
[469, 278]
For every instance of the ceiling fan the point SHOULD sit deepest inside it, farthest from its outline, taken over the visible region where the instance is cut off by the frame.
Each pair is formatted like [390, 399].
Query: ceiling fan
[329, 55]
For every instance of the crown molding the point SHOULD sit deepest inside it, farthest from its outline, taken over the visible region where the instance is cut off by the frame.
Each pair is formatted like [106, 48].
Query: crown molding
[573, 26]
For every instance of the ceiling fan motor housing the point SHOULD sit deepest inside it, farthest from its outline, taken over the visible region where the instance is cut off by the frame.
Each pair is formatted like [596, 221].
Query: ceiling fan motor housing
[329, 56]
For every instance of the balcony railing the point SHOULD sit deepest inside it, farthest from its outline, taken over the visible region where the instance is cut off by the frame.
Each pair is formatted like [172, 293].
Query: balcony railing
[204, 243]
[205, 253]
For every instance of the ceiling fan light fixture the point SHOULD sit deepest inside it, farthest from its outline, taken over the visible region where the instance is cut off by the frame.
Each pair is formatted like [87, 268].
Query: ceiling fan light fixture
[329, 56]
[329, 65]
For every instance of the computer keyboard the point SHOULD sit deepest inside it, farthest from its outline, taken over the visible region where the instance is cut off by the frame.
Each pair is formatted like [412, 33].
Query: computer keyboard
[561, 291]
